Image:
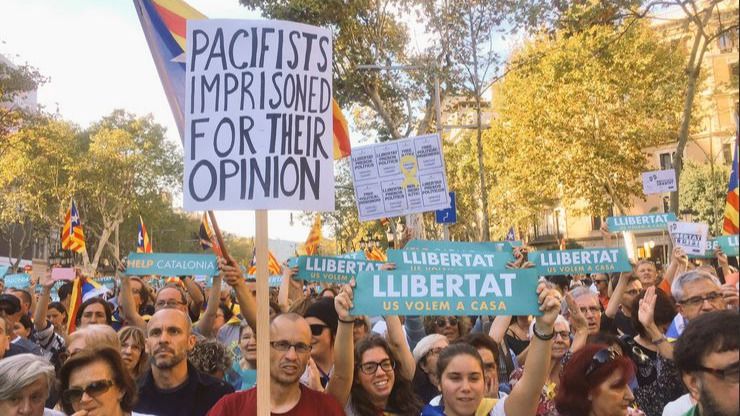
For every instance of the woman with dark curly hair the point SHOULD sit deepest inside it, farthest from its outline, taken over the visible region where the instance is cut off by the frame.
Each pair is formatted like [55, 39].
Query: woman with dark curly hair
[379, 386]
[595, 383]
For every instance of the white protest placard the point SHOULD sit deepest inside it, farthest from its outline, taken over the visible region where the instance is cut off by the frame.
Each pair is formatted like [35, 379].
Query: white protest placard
[658, 181]
[258, 116]
[690, 236]
[399, 177]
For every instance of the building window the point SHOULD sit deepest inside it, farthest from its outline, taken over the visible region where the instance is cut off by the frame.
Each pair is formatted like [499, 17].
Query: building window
[666, 160]
[725, 42]
[727, 152]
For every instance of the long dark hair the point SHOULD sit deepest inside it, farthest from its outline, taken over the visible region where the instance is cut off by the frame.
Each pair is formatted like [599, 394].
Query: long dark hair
[402, 399]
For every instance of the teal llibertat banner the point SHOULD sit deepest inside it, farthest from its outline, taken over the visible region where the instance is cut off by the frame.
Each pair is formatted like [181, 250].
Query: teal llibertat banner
[461, 292]
[171, 264]
[640, 222]
[331, 269]
[594, 260]
[485, 246]
[18, 280]
[448, 259]
[728, 244]
[709, 247]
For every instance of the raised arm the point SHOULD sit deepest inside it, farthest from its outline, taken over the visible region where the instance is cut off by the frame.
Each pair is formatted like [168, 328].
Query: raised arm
[498, 328]
[678, 265]
[616, 298]
[646, 316]
[196, 295]
[126, 303]
[248, 305]
[290, 290]
[524, 397]
[340, 383]
[398, 343]
[580, 325]
[205, 323]
[42, 305]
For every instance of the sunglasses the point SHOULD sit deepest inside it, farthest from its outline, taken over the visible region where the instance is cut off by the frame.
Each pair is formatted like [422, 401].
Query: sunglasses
[441, 322]
[317, 329]
[600, 358]
[94, 389]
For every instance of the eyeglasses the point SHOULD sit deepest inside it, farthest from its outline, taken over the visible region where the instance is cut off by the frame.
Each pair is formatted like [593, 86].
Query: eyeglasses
[371, 367]
[317, 329]
[698, 300]
[563, 334]
[442, 322]
[593, 309]
[284, 346]
[169, 304]
[600, 358]
[730, 373]
[94, 389]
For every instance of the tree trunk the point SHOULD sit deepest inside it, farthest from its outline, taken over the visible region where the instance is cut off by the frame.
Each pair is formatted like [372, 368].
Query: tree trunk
[477, 86]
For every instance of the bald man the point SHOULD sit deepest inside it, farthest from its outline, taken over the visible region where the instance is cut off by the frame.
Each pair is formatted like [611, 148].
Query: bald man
[174, 386]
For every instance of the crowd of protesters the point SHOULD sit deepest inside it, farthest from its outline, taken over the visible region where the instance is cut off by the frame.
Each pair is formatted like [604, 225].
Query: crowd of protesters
[653, 342]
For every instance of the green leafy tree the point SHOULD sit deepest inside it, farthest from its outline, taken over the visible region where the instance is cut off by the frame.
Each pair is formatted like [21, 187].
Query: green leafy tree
[573, 123]
[703, 193]
[127, 164]
[14, 83]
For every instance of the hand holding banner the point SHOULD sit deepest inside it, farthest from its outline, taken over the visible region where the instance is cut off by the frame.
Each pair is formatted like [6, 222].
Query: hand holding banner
[469, 292]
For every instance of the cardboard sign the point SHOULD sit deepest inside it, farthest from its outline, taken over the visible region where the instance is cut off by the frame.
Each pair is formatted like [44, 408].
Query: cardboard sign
[17, 280]
[594, 260]
[640, 222]
[728, 244]
[449, 259]
[332, 269]
[62, 273]
[658, 181]
[258, 117]
[469, 292]
[399, 177]
[690, 236]
[171, 264]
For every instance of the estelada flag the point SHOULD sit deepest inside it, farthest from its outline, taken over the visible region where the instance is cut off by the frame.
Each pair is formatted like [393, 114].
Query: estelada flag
[82, 289]
[273, 266]
[143, 244]
[731, 224]
[207, 237]
[73, 237]
[164, 23]
[311, 245]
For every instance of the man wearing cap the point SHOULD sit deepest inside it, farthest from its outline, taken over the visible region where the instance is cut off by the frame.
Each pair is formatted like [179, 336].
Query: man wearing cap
[322, 319]
[10, 310]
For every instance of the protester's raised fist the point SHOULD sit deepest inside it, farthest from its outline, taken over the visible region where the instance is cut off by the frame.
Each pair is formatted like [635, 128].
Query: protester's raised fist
[679, 255]
[343, 302]
[46, 280]
[549, 301]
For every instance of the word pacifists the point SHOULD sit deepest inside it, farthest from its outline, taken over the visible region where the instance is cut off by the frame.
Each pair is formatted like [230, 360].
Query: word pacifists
[258, 117]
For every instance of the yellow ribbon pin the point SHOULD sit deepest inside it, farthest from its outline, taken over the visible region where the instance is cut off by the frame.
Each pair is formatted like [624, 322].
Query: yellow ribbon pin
[409, 168]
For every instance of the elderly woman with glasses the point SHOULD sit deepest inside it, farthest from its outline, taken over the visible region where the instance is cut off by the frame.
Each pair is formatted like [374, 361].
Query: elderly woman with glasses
[25, 383]
[425, 354]
[96, 382]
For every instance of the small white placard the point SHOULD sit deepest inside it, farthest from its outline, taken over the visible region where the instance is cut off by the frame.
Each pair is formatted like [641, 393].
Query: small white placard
[658, 181]
[690, 236]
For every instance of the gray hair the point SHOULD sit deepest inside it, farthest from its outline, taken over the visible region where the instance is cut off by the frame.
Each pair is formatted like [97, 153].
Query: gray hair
[559, 320]
[688, 277]
[20, 371]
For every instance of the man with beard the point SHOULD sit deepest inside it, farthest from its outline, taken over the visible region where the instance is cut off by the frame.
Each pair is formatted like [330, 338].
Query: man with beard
[290, 350]
[174, 387]
[707, 355]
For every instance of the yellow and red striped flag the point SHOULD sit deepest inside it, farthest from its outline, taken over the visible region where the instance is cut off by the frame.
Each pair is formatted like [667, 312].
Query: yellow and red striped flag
[143, 244]
[342, 147]
[731, 224]
[314, 237]
[73, 237]
[273, 266]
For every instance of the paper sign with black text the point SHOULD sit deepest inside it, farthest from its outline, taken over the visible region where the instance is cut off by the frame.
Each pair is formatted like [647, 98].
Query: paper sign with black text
[331, 269]
[399, 177]
[258, 119]
[464, 292]
[658, 181]
[690, 236]
[592, 260]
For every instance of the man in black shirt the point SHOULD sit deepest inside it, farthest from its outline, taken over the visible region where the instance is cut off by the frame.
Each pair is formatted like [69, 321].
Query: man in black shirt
[173, 386]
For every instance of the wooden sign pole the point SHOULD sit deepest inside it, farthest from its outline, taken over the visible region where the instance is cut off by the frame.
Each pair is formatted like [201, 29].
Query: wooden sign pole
[263, 315]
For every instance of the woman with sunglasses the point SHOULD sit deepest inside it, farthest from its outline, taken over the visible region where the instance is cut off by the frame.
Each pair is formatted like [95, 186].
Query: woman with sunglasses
[96, 383]
[453, 327]
[595, 383]
[462, 375]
